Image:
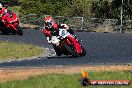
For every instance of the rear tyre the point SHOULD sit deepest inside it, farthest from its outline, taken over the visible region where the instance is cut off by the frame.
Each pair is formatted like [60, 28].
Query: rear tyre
[4, 32]
[19, 30]
[70, 50]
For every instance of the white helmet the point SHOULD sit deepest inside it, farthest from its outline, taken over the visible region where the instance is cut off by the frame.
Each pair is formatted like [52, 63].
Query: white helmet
[0, 5]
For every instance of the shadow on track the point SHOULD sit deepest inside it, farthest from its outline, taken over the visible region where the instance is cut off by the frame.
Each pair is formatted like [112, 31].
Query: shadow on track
[8, 34]
[61, 57]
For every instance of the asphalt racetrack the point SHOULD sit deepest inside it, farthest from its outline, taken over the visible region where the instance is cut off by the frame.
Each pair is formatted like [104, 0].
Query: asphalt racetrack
[102, 49]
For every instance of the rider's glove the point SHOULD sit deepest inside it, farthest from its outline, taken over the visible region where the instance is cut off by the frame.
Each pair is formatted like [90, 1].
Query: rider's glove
[49, 40]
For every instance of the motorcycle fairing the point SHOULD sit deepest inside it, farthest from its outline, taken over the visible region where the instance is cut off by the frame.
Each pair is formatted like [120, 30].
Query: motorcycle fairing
[77, 46]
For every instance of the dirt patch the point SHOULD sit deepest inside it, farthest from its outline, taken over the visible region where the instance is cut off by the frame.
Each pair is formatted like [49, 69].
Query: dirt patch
[24, 73]
[32, 26]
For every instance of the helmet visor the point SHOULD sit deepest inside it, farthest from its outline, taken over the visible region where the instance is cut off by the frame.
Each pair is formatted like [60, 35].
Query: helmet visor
[48, 24]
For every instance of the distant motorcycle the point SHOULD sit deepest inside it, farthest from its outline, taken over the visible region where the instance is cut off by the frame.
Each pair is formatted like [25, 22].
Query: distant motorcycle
[10, 24]
[67, 44]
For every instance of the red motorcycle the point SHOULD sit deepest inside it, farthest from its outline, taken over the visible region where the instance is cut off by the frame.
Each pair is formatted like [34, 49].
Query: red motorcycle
[67, 44]
[10, 24]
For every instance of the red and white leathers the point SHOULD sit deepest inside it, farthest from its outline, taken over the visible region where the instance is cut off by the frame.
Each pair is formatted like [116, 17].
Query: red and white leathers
[48, 31]
[3, 11]
[51, 31]
[51, 28]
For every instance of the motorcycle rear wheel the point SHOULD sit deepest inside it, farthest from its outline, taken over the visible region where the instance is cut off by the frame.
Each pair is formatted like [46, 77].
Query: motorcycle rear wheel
[4, 32]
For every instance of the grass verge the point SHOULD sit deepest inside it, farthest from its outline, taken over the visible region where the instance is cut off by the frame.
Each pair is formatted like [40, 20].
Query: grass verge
[67, 80]
[11, 51]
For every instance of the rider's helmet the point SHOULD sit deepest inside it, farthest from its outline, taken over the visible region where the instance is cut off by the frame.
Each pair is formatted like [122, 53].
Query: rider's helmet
[49, 21]
[0, 6]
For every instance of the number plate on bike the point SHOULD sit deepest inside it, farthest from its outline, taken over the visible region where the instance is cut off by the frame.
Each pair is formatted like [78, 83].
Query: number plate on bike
[63, 32]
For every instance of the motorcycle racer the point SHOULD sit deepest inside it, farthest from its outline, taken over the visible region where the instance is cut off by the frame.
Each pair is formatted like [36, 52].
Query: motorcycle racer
[52, 28]
[5, 15]
[2, 10]
[9, 22]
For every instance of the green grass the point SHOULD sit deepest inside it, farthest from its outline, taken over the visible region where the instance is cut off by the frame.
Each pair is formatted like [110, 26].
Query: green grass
[10, 50]
[14, 8]
[67, 81]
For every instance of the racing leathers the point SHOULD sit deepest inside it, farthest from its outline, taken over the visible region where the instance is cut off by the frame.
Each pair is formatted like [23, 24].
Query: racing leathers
[2, 11]
[54, 30]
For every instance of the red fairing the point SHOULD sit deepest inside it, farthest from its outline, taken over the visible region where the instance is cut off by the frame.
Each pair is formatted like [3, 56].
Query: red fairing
[13, 26]
[76, 44]
[69, 42]
[12, 19]
[9, 20]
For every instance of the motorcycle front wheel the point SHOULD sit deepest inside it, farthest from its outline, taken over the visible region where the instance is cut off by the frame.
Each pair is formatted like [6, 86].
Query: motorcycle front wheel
[70, 50]
[83, 52]
[19, 30]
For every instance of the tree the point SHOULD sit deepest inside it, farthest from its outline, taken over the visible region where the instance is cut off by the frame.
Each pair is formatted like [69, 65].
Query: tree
[130, 2]
[101, 9]
[56, 7]
[105, 9]
[41, 7]
[127, 9]
[85, 8]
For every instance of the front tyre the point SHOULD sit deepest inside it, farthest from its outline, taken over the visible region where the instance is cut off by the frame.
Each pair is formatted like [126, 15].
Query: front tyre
[83, 52]
[70, 50]
[19, 30]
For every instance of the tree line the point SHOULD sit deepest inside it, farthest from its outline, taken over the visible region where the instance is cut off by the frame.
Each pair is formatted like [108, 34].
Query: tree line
[10, 2]
[109, 9]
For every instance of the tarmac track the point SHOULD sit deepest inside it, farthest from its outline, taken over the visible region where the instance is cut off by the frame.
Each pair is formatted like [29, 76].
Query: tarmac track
[102, 49]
